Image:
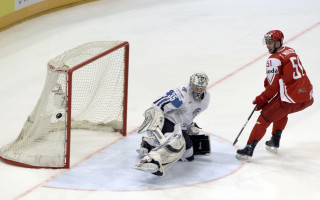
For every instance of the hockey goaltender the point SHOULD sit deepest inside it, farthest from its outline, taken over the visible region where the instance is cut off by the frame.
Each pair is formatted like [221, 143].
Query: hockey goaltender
[172, 134]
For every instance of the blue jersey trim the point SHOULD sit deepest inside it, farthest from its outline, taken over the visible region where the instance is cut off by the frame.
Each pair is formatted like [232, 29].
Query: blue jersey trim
[174, 99]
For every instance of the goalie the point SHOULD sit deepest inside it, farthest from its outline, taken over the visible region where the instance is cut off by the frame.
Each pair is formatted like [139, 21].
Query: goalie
[171, 133]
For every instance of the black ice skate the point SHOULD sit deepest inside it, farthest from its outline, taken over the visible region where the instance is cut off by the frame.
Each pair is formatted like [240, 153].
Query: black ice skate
[273, 144]
[247, 152]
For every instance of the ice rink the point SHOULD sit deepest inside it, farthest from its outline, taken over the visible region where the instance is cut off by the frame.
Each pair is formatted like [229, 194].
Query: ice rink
[169, 40]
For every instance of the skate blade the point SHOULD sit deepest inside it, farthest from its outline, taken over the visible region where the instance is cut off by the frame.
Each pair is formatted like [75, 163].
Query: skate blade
[147, 167]
[243, 158]
[272, 149]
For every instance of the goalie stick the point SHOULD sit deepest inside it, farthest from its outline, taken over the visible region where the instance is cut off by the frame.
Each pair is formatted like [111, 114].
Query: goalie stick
[236, 140]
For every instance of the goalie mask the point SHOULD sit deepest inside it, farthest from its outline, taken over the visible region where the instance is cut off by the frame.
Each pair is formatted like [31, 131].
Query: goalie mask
[198, 84]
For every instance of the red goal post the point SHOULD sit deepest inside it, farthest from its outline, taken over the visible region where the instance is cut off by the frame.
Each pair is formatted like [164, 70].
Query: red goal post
[86, 88]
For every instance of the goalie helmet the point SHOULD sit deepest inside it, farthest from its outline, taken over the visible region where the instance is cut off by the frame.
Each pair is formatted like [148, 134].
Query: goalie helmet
[198, 83]
[274, 35]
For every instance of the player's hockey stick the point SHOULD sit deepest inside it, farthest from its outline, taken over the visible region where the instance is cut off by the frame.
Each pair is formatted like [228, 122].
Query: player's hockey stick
[236, 140]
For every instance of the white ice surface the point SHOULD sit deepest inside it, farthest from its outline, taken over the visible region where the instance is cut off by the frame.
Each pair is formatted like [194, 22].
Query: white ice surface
[169, 40]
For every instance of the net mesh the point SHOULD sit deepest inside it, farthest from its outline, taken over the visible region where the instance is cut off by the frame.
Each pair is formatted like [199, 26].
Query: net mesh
[96, 103]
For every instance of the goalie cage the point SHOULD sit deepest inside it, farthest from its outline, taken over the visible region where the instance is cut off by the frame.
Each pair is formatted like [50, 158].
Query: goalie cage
[86, 87]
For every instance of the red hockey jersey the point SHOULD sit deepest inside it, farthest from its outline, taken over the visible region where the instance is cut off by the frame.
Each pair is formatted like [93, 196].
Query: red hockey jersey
[286, 75]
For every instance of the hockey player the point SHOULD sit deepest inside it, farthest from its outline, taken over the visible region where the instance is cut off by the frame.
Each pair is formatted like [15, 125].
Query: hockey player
[287, 90]
[168, 124]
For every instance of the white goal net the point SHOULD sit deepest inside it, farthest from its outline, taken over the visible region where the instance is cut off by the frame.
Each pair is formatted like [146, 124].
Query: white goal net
[85, 88]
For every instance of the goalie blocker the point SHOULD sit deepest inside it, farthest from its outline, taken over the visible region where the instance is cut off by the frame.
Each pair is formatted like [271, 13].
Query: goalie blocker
[201, 144]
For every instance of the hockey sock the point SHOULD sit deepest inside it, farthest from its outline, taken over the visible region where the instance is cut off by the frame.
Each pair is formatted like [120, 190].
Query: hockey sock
[279, 125]
[258, 130]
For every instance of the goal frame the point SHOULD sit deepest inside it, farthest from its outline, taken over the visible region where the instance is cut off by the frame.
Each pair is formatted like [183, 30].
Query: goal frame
[125, 98]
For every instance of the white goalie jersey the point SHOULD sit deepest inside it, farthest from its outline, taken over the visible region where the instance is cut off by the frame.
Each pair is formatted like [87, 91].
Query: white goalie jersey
[179, 106]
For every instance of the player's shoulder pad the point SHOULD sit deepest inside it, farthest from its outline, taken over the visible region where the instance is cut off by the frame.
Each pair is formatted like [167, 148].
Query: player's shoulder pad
[285, 53]
[288, 50]
[184, 89]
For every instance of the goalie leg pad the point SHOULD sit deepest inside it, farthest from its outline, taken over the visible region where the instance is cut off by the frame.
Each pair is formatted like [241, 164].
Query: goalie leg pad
[201, 144]
[170, 152]
[154, 119]
[164, 155]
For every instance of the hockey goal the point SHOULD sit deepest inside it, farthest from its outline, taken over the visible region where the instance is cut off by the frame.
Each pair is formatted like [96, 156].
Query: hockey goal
[86, 88]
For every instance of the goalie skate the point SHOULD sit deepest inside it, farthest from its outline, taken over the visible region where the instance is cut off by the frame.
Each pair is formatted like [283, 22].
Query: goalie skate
[147, 165]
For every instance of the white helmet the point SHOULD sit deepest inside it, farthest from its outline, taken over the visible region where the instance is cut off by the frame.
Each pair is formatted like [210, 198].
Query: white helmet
[198, 83]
